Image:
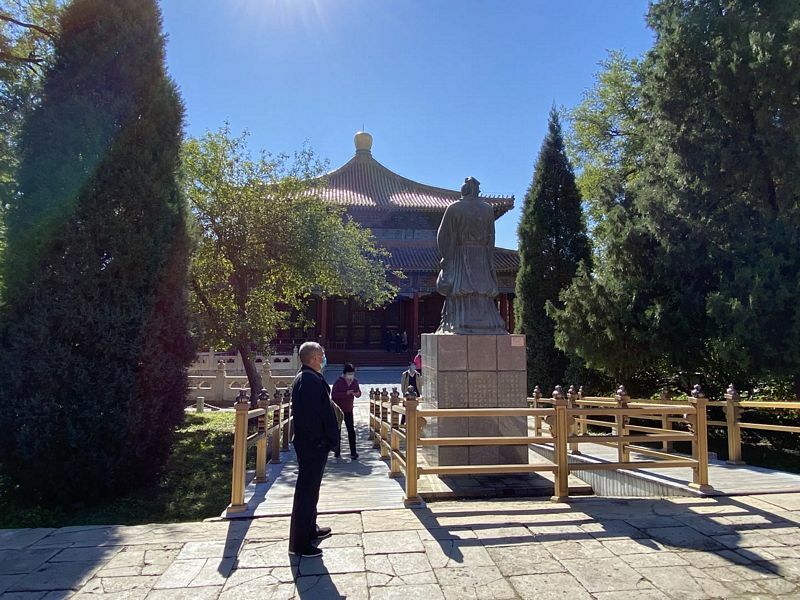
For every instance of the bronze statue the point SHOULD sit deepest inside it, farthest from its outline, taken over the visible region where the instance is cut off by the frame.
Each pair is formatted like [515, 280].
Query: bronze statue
[467, 278]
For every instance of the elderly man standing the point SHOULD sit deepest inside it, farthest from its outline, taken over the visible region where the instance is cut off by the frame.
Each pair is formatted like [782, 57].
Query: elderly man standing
[315, 434]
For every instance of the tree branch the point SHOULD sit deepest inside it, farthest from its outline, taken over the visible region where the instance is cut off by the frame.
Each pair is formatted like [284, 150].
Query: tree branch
[39, 28]
[26, 60]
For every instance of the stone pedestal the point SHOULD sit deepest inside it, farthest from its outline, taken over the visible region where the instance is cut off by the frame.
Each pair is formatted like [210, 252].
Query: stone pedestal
[476, 371]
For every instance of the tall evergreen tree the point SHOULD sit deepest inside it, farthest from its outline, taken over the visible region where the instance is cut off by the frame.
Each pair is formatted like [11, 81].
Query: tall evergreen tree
[95, 339]
[717, 195]
[552, 245]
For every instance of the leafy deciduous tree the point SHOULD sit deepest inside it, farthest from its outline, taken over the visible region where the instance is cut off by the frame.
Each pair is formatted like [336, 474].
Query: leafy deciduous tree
[266, 240]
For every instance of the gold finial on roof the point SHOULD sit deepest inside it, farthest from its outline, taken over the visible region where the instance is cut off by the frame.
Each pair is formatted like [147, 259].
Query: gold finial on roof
[363, 142]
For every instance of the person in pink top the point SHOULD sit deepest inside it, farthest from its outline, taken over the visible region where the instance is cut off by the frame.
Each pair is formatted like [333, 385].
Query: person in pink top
[418, 361]
[344, 391]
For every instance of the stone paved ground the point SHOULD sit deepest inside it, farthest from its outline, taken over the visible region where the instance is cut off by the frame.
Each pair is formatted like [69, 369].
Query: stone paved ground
[742, 547]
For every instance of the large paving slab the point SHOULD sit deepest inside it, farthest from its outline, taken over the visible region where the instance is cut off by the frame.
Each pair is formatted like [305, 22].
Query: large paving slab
[591, 547]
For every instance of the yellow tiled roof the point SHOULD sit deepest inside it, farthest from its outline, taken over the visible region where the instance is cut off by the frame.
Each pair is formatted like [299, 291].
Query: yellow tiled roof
[365, 183]
[426, 258]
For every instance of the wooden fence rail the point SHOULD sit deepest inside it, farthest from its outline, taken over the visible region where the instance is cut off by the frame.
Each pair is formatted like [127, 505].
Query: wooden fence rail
[273, 423]
[565, 414]
[732, 406]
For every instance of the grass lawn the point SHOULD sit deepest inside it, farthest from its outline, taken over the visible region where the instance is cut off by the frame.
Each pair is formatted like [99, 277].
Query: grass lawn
[195, 485]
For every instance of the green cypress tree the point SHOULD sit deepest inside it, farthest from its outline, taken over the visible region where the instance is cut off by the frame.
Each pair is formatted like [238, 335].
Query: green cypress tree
[552, 244]
[95, 336]
[720, 186]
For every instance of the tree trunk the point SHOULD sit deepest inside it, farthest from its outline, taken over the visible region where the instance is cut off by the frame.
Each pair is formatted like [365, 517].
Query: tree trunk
[253, 376]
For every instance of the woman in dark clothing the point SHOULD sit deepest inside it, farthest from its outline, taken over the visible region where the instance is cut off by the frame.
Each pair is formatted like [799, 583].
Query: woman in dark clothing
[344, 391]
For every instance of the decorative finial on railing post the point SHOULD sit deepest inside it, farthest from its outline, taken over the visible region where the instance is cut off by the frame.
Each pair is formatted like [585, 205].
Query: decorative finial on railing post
[242, 397]
[666, 396]
[558, 392]
[697, 391]
[537, 392]
[733, 415]
[580, 393]
[572, 392]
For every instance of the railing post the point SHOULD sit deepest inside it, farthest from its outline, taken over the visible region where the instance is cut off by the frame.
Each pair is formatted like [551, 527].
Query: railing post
[572, 396]
[623, 453]
[376, 436]
[537, 420]
[700, 445]
[386, 424]
[666, 421]
[560, 432]
[287, 415]
[394, 439]
[261, 445]
[733, 413]
[412, 436]
[371, 414]
[275, 447]
[287, 402]
[239, 455]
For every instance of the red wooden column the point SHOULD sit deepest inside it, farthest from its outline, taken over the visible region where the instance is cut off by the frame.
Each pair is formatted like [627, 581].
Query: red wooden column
[415, 325]
[504, 308]
[323, 320]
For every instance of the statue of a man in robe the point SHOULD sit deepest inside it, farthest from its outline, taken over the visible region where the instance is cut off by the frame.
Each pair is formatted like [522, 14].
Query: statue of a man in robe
[467, 278]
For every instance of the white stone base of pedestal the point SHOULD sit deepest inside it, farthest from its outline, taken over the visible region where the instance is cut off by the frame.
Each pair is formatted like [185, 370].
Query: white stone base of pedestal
[476, 371]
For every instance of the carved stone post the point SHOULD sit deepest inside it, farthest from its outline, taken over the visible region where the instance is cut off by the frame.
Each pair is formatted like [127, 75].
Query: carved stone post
[220, 383]
[537, 420]
[733, 416]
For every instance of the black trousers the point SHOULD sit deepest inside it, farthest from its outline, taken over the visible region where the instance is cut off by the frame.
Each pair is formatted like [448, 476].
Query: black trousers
[302, 528]
[351, 433]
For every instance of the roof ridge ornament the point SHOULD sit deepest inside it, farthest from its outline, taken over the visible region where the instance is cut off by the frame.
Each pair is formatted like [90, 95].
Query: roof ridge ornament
[363, 141]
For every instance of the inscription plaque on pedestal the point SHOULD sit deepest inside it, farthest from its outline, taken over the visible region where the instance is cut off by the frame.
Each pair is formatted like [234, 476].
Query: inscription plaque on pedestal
[472, 371]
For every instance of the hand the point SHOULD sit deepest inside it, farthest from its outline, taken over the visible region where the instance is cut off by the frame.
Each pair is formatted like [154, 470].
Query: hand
[351, 392]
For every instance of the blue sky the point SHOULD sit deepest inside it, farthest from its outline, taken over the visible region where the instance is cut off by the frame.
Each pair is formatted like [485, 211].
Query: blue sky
[448, 88]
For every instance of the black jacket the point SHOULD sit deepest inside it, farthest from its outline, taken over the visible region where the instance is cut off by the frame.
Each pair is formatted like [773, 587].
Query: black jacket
[314, 420]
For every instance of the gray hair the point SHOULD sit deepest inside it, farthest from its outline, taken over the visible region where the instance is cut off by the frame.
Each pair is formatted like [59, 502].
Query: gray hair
[309, 349]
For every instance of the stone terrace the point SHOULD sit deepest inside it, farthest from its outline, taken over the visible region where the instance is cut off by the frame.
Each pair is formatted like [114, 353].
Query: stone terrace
[590, 548]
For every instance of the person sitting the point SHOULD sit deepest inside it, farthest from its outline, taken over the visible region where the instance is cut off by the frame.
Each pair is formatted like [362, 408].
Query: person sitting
[345, 389]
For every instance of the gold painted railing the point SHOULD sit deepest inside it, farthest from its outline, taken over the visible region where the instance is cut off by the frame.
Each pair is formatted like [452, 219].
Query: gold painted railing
[732, 406]
[568, 424]
[273, 427]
